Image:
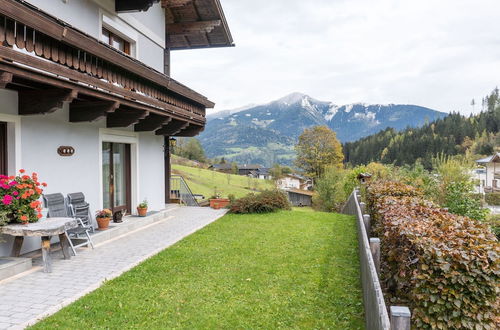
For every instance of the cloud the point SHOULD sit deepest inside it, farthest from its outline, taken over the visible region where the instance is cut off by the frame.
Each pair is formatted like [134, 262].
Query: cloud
[438, 54]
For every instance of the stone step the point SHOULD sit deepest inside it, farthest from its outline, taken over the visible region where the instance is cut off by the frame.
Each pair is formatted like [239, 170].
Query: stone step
[12, 266]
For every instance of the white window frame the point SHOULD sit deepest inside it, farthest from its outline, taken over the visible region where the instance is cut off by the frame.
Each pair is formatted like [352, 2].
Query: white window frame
[132, 138]
[116, 26]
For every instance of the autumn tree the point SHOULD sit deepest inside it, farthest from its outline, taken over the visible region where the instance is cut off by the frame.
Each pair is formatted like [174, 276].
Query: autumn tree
[318, 148]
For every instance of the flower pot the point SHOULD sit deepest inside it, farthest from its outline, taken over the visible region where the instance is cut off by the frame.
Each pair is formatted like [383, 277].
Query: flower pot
[142, 211]
[218, 203]
[103, 223]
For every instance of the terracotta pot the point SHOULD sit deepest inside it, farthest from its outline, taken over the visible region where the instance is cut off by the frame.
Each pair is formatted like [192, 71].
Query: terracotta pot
[219, 203]
[103, 223]
[142, 211]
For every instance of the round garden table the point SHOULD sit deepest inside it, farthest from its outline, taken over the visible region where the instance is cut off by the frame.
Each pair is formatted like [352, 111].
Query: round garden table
[44, 228]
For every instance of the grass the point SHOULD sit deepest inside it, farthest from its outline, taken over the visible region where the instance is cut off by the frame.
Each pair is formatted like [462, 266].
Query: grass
[292, 269]
[209, 183]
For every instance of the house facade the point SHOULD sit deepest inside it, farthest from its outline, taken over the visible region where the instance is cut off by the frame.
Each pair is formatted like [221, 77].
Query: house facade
[86, 97]
[488, 176]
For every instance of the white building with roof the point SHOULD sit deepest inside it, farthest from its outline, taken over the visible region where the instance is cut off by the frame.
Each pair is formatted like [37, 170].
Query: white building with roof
[489, 174]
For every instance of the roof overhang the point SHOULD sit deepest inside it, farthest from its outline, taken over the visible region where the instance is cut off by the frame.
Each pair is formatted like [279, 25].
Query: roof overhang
[196, 24]
[122, 6]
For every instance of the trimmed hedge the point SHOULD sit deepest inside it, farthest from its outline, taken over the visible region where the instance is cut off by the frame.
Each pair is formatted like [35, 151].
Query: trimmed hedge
[444, 266]
[492, 199]
[265, 202]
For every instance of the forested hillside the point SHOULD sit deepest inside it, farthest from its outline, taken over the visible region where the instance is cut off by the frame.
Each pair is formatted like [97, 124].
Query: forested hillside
[452, 135]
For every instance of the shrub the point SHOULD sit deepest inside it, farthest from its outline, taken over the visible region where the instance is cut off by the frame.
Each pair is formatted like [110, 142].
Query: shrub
[330, 194]
[460, 200]
[493, 220]
[266, 201]
[444, 266]
[493, 199]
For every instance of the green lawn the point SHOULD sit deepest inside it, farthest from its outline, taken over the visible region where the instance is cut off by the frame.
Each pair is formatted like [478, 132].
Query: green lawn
[209, 183]
[292, 269]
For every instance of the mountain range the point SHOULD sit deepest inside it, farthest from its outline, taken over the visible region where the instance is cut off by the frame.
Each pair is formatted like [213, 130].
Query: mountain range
[266, 134]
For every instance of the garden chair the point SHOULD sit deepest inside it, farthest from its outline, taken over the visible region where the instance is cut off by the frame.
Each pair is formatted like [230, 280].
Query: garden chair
[79, 208]
[57, 207]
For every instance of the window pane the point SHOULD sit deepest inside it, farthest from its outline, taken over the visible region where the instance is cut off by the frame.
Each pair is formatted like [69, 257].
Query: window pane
[120, 174]
[106, 156]
[105, 36]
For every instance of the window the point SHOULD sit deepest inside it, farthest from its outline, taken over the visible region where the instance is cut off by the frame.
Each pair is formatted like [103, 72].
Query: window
[115, 41]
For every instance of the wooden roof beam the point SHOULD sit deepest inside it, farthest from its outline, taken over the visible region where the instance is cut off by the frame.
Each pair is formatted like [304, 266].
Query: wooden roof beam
[190, 131]
[175, 3]
[5, 78]
[192, 27]
[124, 117]
[152, 123]
[172, 128]
[37, 102]
[88, 111]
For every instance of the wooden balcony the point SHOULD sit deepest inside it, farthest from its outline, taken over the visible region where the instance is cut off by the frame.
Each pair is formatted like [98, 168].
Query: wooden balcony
[49, 62]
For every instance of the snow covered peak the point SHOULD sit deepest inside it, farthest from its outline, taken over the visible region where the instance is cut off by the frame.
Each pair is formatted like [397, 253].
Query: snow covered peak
[293, 98]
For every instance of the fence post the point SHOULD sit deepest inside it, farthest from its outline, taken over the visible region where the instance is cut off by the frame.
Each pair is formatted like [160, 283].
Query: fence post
[366, 221]
[400, 318]
[375, 249]
[362, 205]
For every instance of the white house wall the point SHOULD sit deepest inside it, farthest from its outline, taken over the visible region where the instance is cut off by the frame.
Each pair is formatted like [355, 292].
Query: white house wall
[41, 135]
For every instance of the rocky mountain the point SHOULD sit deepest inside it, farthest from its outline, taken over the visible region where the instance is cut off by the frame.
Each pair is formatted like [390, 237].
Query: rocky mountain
[267, 133]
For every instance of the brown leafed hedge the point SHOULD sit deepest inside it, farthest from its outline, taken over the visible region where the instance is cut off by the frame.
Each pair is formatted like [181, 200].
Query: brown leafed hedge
[265, 202]
[444, 266]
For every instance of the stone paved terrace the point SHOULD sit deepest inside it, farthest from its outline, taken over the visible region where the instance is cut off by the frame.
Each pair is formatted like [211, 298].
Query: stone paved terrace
[30, 296]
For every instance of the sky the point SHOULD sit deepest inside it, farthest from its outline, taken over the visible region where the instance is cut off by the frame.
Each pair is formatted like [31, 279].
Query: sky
[439, 54]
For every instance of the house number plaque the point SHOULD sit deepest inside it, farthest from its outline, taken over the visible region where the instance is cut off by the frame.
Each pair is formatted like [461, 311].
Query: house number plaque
[65, 151]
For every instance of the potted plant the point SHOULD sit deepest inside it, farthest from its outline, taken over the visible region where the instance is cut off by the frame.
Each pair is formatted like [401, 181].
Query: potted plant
[19, 197]
[142, 208]
[103, 217]
[216, 202]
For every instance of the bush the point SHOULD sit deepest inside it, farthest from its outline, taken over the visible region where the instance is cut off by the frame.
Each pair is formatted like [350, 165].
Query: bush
[444, 266]
[265, 202]
[493, 220]
[330, 194]
[460, 200]
[493, 199]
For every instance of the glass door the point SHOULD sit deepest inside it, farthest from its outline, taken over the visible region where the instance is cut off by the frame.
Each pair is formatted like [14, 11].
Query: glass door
[116, 176]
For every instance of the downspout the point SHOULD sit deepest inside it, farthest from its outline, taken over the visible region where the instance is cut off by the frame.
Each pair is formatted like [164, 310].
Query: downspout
[167, 170]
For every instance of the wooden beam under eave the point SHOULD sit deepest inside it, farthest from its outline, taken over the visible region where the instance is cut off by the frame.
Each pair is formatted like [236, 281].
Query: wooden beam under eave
[152, 123]
[42, 101]
[190, 131]
[5, 78]
[192, 27]
[175, 3]
[172, 128]
[124, 117]
[88, 111]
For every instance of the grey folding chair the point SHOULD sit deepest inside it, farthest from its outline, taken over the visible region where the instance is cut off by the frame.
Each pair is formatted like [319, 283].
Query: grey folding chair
[57, 207]
[79, 208]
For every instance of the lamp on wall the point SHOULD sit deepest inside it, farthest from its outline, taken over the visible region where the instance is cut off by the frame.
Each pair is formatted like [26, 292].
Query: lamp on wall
[173, 142]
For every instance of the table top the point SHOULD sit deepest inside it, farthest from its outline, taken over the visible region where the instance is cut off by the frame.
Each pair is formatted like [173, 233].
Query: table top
[44, 227]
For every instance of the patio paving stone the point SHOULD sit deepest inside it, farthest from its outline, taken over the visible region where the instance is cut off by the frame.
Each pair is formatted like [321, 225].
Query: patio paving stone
[35, 294]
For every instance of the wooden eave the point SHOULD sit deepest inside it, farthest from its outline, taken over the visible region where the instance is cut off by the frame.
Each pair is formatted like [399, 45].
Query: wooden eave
[196, 24]
[49, 64]
[31, 16]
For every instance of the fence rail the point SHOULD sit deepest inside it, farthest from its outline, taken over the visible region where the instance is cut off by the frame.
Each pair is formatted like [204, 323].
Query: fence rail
[180, 189]
[376, 314]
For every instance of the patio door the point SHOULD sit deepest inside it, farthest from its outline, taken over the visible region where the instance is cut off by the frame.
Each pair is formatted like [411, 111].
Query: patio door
[116, 176]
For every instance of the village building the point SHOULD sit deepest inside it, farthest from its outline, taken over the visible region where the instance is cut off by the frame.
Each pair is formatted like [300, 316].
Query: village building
[86, 97]
[488, 176]
[224, 168]
[247, 169]
[294, 181]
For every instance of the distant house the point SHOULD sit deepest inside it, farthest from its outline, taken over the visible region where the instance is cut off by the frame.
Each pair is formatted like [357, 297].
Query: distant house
[224, 168]
[299, 197]
[261, 173]
[295, 181]
[488, 175]
[248, 169]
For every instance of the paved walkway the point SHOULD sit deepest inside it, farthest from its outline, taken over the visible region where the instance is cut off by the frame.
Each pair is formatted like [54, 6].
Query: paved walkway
[35, 295]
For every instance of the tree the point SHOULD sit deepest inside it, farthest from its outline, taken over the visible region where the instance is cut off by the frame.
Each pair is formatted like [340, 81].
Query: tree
[191, 149]
[318, 147]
